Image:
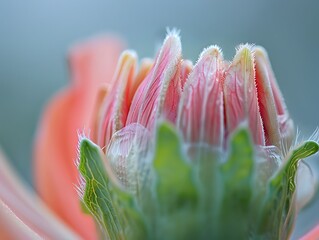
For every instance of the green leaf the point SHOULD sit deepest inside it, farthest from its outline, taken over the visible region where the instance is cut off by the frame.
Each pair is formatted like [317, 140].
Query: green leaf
[237, 175]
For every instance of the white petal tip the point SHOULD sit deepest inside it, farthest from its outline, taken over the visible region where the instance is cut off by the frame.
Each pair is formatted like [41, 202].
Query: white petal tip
[214, 51]
[128, 55]
[260, 51]
[173, 41]
[244, 54]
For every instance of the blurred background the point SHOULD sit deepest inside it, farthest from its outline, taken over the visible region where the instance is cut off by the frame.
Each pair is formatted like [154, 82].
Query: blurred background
[35, 36]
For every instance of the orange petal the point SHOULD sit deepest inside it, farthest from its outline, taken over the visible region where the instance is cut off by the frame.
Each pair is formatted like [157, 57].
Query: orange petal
[97, 115]
[56, 175]
[146, 65]
[201, 113]
[158, 94]
[241, 101]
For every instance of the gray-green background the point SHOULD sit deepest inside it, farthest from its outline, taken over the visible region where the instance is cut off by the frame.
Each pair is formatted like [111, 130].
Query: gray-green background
[35, 35]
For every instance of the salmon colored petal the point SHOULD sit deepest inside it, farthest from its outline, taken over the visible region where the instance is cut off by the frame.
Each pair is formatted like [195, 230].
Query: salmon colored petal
[22, 214]
[285, 126]
[101, 95]
[117, 103]
[240, 92]
[158, 94]
[55, 171]
[312, 235]
[56, 175]
[94, 61]
[201, 113]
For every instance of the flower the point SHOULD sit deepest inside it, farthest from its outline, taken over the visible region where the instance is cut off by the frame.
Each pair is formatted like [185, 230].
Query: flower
[180, 151]
[200, 175]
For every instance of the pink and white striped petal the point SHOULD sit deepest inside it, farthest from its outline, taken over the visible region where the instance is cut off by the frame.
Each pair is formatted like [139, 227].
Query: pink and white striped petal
[158, 94]
[144, 69]
[201, 112]
[241, 102]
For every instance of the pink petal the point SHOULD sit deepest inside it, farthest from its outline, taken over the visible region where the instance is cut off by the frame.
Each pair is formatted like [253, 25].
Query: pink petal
[56, 175]
[201, 113]
[117, 103]
[240, 92]
[312, 235]
[158, 94]
[266, 101]
[22, 214]
[277, 122]
[11, 227]
[186, 68]
[145, 68]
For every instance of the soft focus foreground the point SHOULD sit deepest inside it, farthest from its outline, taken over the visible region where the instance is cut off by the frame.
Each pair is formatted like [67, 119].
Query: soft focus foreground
[187, 152]
[57, 213]
[56, 143]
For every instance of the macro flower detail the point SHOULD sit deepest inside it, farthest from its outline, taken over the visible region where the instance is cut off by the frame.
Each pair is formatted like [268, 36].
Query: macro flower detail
[190, 152]
[163, 149]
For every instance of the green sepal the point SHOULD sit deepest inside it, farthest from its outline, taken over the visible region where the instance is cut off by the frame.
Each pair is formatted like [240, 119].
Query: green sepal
[206, 195]
[175, 186]
[278, 211]
[113, 209]
[237, 175]
[176, 193]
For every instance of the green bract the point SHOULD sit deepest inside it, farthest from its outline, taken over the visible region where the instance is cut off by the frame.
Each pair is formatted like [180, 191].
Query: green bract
[212, 196]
